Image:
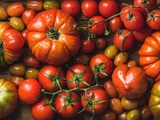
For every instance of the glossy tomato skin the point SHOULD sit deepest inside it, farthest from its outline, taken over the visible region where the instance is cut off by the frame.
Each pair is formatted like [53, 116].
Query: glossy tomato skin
[73, 7]
[81, 74]
[50, 76]
[100, 60]
[49, 4]
[3, 13]
[36, 5]
[149, 56]
[53, 49]
[72, 108]
[87, 46]
[89, 8]
[94, 95]
[128, 81]
[27, 16]
[119, 39]
[115, 24]
[101, 43]
[105, 8]
[42, 111]
[9, 97]
[29, 91]
[95, 27]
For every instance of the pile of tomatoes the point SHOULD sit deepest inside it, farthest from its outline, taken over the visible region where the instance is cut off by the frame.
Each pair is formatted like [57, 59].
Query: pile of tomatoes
[69, 57]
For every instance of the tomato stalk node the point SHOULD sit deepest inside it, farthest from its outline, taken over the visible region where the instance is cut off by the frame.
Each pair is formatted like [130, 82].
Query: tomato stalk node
[53, 33]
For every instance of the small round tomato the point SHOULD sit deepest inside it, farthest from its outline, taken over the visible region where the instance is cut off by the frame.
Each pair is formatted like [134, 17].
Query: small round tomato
[121, 58]
[50, 4]
[100, 43]
[17, 23]
[67, 104]
[73, 7]
[105, 8]
[52, 78]
[96, 25]
[17, 69]
[27, 16]
[131, 63]
[31, 73]
[89, 8]
[79, 76]
[16, 79]
[111, 51]
[36, 5]
[115, 24]
[87, 45]
[80, 58]
[42, 111]
[3, 13]
[15, 9]
[29, 91]
[95, 100]
[123, 39]
[101, 65]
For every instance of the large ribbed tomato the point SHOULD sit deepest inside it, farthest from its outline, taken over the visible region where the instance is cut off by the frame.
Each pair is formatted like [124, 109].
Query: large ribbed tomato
[53, 37]
[149, 56]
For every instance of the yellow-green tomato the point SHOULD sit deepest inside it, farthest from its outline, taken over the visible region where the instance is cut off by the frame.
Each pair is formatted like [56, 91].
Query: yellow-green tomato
[49, 4]
[134, 115]
[17, 23]
[31, 73]
[154, 101]
[111, 51]
[3, 13]
[17, 69]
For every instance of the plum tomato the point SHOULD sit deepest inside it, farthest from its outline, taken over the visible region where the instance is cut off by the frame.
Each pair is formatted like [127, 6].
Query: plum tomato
[17, 23]
[3, 13]
[121, 58]
[36, 5]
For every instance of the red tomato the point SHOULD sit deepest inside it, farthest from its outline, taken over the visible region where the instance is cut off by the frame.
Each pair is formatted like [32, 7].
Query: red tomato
[100, 43]
[67, 104]
[115, 24]
[24, 33]
[153, 19]
[87, 46]
[42, 111]
[51, 77]
[133, 19]
[96, 26]
[28, 15]
[89, 8]
[29, 91]
[101, 65]
[95, 100]
[107, 8]
[79, 76]
[123, 40]
[73, 7]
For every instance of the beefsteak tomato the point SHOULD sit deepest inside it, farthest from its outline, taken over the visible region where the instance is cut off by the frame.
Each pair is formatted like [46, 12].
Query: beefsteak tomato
[149, 56]
[53, 36]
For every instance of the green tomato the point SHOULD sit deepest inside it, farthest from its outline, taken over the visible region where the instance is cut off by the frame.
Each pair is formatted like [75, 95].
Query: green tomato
[49, 4]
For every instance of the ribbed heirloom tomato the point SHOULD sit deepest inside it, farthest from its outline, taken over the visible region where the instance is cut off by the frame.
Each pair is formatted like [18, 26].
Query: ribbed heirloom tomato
[53, 36]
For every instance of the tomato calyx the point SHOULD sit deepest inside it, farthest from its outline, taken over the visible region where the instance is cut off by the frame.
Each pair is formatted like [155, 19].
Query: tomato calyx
[130, 16]
[152, 16]
[53, 33]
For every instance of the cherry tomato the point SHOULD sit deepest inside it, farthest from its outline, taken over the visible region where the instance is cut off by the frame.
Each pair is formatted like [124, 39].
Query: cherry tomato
[132, 63]
[121, 58]
[80, 58]
[31, 73]
[89, 8]
[3, 13]
[50, 4]
[36, 5]
[16, 79]
[96, 26]
[100, 43]
[107, 8]
[79, 76]
[67, 104]
[17, 69]
[24, 33]
[42, 111]
[17, 23]
[111, 51]
[123, 39]
[73, 7]
[29, 91]
[87, 46]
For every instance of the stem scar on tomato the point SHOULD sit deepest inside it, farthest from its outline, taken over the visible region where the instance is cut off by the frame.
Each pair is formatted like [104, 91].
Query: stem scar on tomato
[53, 33]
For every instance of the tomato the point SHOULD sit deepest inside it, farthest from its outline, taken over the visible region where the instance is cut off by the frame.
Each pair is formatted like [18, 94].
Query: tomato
[153, 19]
[128, 81]
[67, 104]
[24, 34]
[100, 43]
[115, 24]
[52, 78]
[16, 79]
[11, 44]
[101, 65]
[27, 16]
[15, 9]
[42, 111]
[73, 7]
[108, 115]
[89, 8]
[29, 91]
[105, 8]
[80, 58]
[133, 19]
[95, 100]
[87, 46]
[36, 5]
[96, 26]
[3, 13]
[149, 56]
[17, 23]
[49, 4]
[142, 33]
[9, 97]
[132, 63]
[31, 61]
[121, 58]
[17, 69]
[111, 51]
[79, 76]
[31, 73]
[154, 101]
[123, 39]
[53, 39]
